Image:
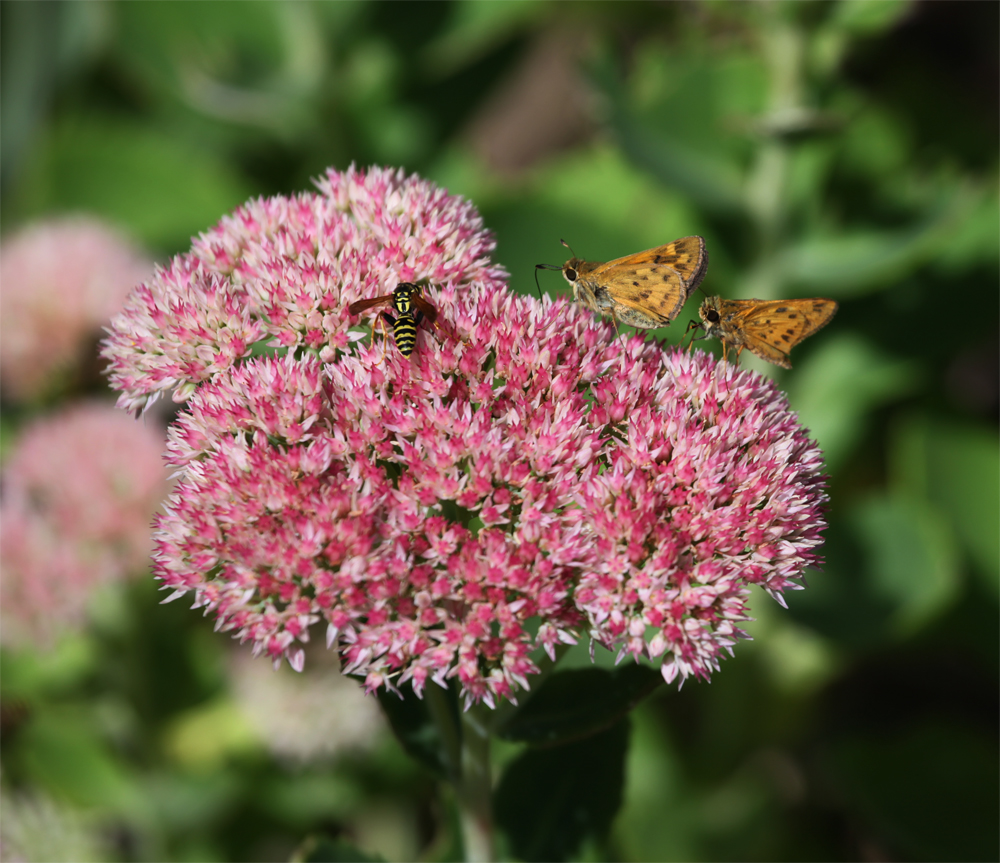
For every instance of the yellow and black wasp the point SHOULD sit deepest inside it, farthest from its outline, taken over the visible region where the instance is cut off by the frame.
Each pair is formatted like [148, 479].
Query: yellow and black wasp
[410, 309]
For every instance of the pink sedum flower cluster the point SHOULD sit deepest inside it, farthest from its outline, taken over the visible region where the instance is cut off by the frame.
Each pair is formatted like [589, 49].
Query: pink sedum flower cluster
[79, 491]
[522, 480]
[62, 281]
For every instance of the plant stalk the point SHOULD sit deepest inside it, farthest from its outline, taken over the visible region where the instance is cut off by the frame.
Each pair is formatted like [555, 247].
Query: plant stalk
[466, 740]
[475, 789]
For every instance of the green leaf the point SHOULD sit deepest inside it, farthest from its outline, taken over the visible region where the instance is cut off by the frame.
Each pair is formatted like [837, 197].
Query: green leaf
[674, 142]
[660, 818]
[161, 189]
[473, 30]
[930, 791]
[864, 18]
[164, 46]
[852, 264]
[205, 736]
[855, 263]
[61, 752]
[28, 673]
[957, 467]
[911, 557]
[429, 729]
[572, 705]
[323, 849]
[839, 385]
[550, 800]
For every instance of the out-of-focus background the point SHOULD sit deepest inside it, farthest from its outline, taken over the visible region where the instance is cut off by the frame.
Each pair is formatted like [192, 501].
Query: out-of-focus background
[839, 149]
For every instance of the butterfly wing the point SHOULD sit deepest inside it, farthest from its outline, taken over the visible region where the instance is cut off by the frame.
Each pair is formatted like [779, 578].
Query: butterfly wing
[772, 328]
[649, 289]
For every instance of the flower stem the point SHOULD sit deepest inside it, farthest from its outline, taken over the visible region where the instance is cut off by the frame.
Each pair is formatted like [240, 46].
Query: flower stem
[475, 790]
[446, 719]
[466, 741]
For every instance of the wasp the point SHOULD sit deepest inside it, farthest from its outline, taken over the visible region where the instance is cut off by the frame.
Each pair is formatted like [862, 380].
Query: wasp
[410, 309]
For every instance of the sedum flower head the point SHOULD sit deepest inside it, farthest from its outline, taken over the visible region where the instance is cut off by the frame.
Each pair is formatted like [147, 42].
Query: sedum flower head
[521, 480]
[79, 491]
[62, 280]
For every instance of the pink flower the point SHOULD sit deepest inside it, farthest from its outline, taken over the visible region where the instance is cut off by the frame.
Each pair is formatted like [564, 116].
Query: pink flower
[62, 280]
[282, 271]
[79, 491]
[521, 480]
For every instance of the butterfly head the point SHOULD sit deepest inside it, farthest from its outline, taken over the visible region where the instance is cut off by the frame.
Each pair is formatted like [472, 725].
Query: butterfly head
[709, 314]
[573, 269]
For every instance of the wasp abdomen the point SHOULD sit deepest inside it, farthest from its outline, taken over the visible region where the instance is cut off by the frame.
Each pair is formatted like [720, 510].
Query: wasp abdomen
[404, 331]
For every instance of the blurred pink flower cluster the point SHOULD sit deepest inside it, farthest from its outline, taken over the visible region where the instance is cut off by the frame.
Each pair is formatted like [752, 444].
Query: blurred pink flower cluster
[309, 717]
[522, 480]
[79, 492]
[62, 281]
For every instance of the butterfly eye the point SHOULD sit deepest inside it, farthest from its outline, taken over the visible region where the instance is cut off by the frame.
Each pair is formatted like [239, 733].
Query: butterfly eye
[713, 316]
[570, 274]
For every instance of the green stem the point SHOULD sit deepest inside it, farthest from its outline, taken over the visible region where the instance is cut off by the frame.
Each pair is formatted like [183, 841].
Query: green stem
[475, 790]
[445, 718]
[466, 739]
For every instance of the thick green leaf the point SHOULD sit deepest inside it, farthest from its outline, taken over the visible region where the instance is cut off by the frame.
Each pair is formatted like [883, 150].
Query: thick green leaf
[550, 800]
[429, 729]
[572, 705]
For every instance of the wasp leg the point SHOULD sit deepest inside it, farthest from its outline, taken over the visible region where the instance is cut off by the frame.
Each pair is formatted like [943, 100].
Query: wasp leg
[382, 319]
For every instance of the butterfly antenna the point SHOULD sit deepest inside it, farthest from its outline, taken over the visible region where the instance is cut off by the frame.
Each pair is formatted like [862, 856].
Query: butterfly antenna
[543, 267]
[537, 286]
[568, 246]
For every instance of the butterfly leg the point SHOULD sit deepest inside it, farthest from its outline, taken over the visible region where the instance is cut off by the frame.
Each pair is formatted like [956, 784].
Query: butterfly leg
[692, 325]
[614, 320]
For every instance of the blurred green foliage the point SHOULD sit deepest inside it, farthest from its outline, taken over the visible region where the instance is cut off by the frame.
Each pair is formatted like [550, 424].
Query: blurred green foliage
[840, 148]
